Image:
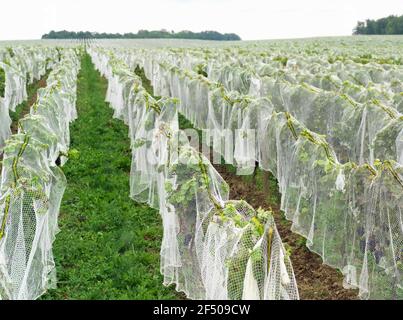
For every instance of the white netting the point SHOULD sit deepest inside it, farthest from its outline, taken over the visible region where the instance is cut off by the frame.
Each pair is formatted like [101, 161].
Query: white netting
[32, 186]
[329, 127]
[243, 256]
[202, 229]
[325, 117]
[5, 123]
[21, 68]
[314, 171]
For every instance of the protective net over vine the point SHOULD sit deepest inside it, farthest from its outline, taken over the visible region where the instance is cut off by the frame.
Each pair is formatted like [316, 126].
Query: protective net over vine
[212, 248]
[32, 185]
[327, 123]
[19, 67]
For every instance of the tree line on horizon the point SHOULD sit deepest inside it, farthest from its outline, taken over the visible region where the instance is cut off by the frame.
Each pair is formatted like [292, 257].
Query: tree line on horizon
[144, 34]
[389, 25]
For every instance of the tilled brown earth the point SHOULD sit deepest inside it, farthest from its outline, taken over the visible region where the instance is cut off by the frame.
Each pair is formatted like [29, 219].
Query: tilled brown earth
[315, 280]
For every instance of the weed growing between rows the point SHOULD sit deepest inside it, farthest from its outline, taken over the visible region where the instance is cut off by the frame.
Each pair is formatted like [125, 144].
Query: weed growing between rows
[109, 246]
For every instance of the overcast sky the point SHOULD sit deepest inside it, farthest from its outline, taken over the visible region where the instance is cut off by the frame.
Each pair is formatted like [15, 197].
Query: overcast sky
[251, 19]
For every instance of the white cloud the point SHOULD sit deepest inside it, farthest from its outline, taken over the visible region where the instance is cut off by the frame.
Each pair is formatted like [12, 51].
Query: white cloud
[251, 19]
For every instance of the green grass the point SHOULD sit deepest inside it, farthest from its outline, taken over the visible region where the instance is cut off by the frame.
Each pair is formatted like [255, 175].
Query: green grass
[108, 247]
